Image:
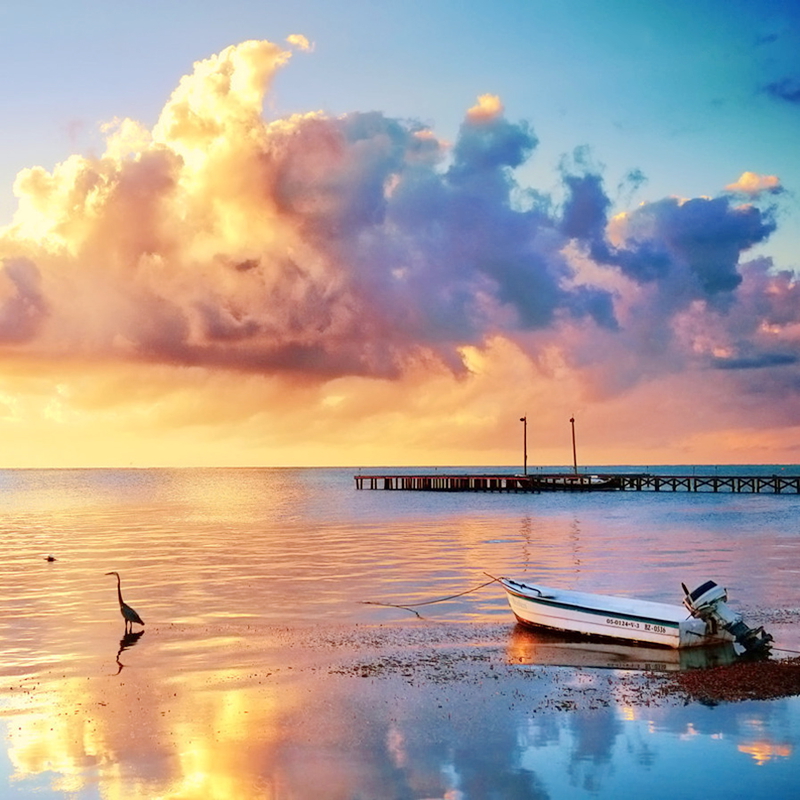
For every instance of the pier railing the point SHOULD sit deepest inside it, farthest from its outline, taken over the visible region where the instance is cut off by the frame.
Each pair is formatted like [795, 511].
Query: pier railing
[777, 484]
[553, 482]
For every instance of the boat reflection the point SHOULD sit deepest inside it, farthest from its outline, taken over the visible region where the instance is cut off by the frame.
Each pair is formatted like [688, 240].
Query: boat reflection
[549, 648]
[127, 641]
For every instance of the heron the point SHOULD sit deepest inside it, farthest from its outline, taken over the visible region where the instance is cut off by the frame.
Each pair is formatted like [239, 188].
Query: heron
[128, 614]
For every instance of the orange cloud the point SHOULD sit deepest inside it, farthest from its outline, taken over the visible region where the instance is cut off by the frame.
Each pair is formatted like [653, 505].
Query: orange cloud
[488, 107]
[751, 183]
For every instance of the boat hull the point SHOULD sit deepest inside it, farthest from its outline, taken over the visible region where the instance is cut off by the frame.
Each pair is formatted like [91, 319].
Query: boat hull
[609, 617]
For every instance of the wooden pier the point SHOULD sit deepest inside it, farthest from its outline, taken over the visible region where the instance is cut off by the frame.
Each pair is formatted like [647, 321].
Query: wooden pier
[568, 482]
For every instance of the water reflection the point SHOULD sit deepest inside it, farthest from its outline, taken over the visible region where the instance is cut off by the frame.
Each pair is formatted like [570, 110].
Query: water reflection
[664, 752]
[128, 640]
[764, 751]
[277, 718]
[525, 534]
[528, 646]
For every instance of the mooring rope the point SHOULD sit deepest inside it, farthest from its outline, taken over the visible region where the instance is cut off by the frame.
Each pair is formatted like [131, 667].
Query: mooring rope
[785, 650]
[411, 606]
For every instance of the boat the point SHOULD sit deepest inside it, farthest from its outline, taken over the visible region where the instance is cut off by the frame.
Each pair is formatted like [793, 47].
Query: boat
[578, 482]
[703, 619]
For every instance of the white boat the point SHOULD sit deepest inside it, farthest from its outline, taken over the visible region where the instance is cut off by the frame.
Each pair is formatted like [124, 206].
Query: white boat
[704, 618]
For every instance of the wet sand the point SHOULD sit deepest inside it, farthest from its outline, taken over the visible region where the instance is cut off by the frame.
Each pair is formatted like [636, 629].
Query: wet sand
[480, 655]
[550, 670]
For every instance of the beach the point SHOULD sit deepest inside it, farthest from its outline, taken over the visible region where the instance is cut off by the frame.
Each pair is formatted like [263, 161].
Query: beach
[255, 678]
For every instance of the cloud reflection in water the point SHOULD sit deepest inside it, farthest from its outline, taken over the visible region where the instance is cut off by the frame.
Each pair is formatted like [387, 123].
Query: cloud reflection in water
[350, 713]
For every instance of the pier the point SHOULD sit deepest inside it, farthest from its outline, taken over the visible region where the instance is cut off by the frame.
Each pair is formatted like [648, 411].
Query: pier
[567, 482]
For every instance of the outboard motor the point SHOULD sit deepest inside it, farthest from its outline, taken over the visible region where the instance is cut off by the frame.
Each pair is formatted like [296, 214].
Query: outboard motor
[707, 602]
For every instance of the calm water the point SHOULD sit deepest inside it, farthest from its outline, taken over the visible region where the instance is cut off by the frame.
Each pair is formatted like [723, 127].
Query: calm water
[251, 679]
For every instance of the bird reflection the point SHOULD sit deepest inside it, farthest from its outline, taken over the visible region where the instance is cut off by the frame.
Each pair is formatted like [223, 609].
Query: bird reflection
[128, 640]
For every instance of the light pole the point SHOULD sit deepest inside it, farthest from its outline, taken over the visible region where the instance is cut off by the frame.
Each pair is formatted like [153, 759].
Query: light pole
[574, 453]
[524, 421]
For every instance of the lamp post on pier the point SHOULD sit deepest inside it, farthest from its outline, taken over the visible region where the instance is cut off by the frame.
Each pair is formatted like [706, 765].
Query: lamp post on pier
[574, 453]
[524, 421]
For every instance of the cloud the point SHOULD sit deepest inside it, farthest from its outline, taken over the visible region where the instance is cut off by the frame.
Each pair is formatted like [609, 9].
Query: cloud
[487, 108]
[696, 242]
[703, 236]
[316, 245]
[23, 308]
[750, 183]
[756, 361]
[318, 249]
[786, 89]
[631, 183]
[300, 41]
[762, 330]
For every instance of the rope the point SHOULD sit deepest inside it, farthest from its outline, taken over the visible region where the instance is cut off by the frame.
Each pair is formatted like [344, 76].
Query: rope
[411, 606]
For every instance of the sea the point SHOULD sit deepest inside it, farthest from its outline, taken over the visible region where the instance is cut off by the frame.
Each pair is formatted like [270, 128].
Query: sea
[307, 639]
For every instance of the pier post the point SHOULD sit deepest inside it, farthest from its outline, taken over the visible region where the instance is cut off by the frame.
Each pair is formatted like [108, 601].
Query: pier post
[524, 421]
[574, 451]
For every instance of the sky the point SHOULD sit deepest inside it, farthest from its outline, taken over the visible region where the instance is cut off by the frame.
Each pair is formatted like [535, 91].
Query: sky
[373, 233]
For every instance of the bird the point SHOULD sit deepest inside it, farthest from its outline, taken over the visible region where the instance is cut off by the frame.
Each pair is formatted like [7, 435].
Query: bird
[51, 557]
[128, 614]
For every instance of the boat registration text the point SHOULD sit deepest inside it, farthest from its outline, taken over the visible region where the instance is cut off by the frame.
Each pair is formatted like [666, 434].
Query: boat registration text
[626, 623]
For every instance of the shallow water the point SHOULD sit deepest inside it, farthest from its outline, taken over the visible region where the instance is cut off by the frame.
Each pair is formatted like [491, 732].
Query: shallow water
[262, 672]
